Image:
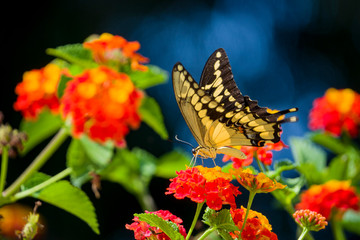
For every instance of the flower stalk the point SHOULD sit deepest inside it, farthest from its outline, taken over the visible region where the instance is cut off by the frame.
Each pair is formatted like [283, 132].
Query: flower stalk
[251, 199]
[4, 167]
[197, 213]
[38, 162]
[43, 185]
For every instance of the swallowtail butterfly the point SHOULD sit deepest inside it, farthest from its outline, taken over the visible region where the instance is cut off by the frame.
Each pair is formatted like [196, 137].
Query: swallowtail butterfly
[218, 115]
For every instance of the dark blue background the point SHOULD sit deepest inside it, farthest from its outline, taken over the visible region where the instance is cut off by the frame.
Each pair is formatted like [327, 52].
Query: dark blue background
[282, 53]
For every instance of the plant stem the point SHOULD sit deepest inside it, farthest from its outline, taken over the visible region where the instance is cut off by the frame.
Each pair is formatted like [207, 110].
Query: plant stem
[42, 185]
[337, 229]
[4, 168]
[197, 213]
[146, 201]
[206, 233]
[38, 162]
[303, 234]
[251, 198]
[258, 162]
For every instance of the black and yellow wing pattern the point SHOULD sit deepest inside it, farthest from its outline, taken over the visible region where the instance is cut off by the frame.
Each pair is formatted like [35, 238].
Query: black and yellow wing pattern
[218, 115]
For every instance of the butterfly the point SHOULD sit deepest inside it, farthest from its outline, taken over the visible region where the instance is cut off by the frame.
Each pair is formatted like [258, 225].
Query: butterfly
[218, 115]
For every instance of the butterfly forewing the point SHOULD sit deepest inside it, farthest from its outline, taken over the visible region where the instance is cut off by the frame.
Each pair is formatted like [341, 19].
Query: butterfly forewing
[188, 94]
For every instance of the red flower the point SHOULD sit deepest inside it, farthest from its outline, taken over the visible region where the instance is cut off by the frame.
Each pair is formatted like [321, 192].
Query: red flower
[333, 195]
[256, 227]
[143, 231]
[103, 104]
[264, 154]
[337, 111]
[202, 184]
[109, 49]
[37, 91]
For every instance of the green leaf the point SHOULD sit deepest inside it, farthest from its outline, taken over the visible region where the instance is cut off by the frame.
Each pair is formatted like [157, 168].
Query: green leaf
[219, 220]
[311, 159]
[74, 53]
[62, 85]
[99, 154]
[281, 166]
[125, 169]
[151, 114]
[286, 195]
[171, 162]
[35, 180]
[351, 221]
[79, 162]
[71, 199]
[168, 227]
[330, 142]
[150, 78]
[85, 156]
[46, 125]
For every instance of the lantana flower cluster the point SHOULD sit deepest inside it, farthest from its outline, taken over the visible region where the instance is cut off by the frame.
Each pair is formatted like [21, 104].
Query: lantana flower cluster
[256, 227]
[108, 49]
[202, 184]
[101, 102]
[336, 112]
[332, 196]
[311, 220]
[38, 91]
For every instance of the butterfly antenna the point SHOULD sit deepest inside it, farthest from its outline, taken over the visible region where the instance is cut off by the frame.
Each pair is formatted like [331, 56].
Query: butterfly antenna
[182, 141]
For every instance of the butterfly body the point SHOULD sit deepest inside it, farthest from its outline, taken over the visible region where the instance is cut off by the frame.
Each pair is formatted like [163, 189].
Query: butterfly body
[218, 115]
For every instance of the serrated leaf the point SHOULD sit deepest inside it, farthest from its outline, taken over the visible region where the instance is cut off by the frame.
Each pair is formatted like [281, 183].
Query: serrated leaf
[79, 162]
[151, 114]
[219, 220]
[351, 221]
[150, 78]
[99, 154]
[171, 162]
[168, 227]
[125, 169]
[304, 151]
[45, 125]
[74, 53]
[311, 159]
[147, 165]
[71, 199]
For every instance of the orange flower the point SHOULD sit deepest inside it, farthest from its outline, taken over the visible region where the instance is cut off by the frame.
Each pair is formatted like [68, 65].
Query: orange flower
[202, 184]
[264, 154]
[333, 195]
[108, 49]
[337, 111]
[103, 104]
[38, 91]
[256, 183]
[311, 220]
[257, 225]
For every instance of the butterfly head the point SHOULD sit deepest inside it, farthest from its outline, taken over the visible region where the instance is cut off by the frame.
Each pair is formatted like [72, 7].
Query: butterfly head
[204, 152]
